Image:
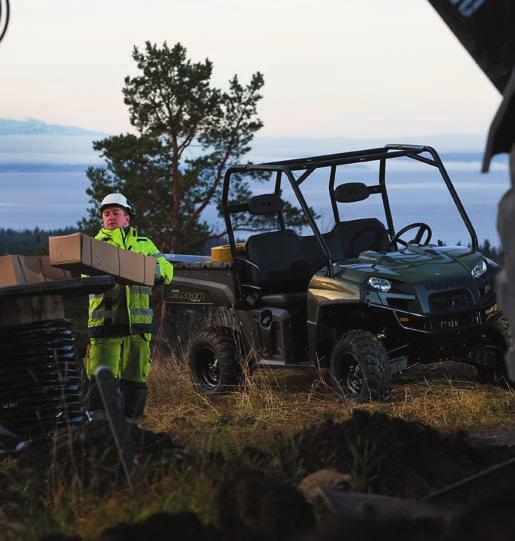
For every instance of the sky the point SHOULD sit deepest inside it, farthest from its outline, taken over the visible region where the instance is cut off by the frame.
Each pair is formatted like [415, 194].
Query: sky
[337, 68]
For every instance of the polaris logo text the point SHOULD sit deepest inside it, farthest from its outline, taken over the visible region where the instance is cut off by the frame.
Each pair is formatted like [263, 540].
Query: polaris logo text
[187, 296]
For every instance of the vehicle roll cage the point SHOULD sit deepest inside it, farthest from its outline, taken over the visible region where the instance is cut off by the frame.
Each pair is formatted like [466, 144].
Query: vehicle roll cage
[308, 165]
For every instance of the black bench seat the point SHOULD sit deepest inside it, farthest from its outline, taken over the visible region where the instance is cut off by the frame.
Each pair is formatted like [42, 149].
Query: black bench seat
[285, 262]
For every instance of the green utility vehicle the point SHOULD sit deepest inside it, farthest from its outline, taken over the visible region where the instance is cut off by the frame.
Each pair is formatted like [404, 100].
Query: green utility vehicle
[362, 302]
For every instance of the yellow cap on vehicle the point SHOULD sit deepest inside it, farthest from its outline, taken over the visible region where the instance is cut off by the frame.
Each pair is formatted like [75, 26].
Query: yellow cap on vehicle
[222, 254]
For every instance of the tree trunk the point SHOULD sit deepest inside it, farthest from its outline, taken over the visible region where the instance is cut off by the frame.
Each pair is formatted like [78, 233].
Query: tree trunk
[176, 192]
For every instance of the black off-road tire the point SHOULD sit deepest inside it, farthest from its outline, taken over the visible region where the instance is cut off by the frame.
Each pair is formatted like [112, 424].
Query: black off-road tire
[496, 374]
[358, 367]
[214, 363]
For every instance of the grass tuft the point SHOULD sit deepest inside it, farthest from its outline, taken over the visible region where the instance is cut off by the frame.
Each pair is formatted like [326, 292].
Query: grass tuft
[243, 429]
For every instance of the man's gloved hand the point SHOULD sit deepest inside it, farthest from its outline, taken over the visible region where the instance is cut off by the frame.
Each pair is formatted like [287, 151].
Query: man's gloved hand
[159, 279]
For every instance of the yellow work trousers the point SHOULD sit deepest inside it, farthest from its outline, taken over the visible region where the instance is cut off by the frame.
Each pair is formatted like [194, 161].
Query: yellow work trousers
[128, 357]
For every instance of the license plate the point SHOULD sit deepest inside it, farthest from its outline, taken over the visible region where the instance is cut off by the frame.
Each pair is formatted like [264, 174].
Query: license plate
[448, 324]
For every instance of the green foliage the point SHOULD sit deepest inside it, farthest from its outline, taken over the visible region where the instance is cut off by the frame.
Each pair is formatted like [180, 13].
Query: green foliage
[28, 241]
[492, 252]
[189, 131]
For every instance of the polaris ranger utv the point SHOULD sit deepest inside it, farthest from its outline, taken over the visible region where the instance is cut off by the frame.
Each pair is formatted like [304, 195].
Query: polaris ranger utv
[362, 301]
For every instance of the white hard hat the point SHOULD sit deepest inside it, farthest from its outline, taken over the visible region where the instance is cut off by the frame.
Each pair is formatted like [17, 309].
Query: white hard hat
[116, 200]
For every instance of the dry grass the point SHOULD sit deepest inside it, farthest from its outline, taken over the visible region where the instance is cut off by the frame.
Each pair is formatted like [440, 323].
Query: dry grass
[176, 492]
[270, 407]
[277, 403]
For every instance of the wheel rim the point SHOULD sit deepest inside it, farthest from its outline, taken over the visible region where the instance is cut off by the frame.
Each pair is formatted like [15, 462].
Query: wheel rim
[350, 375]
[208, 368]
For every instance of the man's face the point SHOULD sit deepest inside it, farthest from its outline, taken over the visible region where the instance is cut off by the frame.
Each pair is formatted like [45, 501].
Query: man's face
[113, 217]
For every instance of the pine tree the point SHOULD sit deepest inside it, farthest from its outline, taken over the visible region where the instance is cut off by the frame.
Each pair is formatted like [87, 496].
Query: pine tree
[188, 132]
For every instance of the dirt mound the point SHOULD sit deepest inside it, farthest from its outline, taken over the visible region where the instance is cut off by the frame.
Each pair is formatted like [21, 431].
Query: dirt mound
[254, 507]
[387, 455]
[162, 527]
[88, 453]
[490, 517]
[374, 529]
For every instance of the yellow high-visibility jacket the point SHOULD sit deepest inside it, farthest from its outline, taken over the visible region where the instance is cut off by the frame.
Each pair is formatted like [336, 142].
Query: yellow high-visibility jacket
[125, 310]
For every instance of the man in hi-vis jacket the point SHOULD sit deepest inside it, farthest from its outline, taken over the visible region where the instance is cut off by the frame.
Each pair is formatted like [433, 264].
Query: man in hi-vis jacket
[120, 320]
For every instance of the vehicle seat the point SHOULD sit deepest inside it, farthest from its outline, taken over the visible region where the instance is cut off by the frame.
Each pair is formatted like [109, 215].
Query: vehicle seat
[313, 253]
[348, 239]
[281, 260]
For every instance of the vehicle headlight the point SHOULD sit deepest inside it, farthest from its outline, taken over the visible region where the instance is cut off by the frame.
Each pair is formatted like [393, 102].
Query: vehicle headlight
[479, 269]
[379, 283]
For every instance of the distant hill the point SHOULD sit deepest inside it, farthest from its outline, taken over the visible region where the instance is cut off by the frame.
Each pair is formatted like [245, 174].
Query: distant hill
[32, 126]
[36, 141]
[449, 142]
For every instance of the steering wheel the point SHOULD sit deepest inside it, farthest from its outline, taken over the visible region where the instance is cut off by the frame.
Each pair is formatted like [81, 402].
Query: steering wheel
[422, 228]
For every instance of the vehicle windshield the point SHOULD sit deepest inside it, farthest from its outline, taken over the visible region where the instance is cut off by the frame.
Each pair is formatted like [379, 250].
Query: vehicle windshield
[416, 193]
[418, 190]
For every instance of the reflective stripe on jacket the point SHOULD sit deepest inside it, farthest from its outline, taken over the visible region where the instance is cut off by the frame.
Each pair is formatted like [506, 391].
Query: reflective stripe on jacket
[125, 310]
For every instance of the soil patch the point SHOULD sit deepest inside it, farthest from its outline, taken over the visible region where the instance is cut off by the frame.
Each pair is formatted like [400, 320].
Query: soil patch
[85, 454]
[388, 455]
[162, 527]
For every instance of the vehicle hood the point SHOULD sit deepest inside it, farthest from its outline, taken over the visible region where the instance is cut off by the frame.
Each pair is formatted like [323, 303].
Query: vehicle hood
[411, 265]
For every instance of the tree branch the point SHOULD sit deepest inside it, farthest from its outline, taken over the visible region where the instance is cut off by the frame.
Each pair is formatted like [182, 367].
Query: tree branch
[218, 176]
[203, 239]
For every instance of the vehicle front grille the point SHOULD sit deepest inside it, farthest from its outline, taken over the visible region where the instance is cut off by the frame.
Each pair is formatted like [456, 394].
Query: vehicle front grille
[458, 299]
[437, 324]
[455, 321]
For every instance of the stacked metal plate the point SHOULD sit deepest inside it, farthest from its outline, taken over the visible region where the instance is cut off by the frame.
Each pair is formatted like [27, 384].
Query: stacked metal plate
[39, 379]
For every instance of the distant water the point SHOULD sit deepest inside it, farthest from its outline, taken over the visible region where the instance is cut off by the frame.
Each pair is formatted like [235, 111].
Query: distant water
[49, 200]
[50, 193]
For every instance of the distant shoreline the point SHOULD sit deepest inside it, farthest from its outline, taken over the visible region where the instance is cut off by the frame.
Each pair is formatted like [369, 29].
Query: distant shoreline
[43, 167]
[29, 166]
